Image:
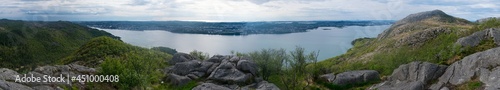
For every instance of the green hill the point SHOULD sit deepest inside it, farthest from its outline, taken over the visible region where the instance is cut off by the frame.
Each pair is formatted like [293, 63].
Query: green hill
[26, 44]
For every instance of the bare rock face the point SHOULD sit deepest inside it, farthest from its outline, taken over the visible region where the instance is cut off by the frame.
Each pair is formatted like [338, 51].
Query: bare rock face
[483, 65]
[351, 77]
[477, 37]
[412, 76]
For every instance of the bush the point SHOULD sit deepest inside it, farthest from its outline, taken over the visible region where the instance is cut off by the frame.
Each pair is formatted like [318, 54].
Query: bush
[165, 50]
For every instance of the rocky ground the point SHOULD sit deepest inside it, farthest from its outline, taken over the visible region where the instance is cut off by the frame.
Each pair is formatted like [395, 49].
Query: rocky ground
[217, 73]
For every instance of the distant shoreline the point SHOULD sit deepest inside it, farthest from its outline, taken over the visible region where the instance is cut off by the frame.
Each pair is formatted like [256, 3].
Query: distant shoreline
[228, 28]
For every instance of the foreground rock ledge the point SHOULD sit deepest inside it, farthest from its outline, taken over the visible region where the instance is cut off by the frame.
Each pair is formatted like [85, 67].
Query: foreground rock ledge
[482, 65]
[412, 76]
[351, 77]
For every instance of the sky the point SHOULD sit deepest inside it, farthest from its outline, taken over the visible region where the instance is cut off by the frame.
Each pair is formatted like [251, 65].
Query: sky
[239, 10]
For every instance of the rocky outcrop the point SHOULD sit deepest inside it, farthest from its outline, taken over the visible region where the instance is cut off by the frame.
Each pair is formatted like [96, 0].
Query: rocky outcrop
[419, 38]
[482, 65]
[412, 76]
[218, 73]
[477, 37]
[351, 77]
[8, 77]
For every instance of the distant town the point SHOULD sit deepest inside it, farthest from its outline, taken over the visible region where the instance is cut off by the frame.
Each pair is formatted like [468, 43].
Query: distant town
[229, 28]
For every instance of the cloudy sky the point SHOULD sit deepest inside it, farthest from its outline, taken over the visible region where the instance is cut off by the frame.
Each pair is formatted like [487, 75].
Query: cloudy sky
[239, 10]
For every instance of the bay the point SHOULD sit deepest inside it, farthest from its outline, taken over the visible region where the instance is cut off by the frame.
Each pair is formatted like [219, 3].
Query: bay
[330, 41]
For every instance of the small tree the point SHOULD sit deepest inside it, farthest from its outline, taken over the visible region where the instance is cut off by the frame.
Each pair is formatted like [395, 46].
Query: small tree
[199, 55]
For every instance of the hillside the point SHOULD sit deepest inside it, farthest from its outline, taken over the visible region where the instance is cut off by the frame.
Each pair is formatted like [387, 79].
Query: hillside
[26, 44]
[425, 36]
[429, 36]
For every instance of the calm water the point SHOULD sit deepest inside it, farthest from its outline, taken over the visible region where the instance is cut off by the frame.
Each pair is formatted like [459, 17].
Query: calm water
[330, 42]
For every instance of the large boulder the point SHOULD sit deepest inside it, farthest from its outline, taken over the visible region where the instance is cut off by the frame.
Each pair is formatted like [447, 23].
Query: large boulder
[13, 86]
[412, 76]
[327, 77]
[351, 77]
[483, 65]
[264, 85]
[210, 86]
[477, 37]
[247, 66]
[178, 80]
[227, 73]
[180, 57]
[7, 74]
[184, 68]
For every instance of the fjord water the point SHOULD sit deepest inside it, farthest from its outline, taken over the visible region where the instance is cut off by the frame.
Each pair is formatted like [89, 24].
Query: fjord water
[330, 41]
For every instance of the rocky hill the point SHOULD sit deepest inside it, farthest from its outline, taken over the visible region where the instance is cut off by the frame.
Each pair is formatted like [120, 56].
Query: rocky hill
[416, 51]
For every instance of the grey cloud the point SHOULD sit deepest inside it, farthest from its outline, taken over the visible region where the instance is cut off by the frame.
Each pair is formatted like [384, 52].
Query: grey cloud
[74, 9]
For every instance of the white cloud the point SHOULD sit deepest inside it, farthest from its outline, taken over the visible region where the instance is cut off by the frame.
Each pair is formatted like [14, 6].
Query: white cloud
[240, 10]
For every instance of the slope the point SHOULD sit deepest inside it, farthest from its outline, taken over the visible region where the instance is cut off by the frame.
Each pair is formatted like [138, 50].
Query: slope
[26, 44]
[425, 36]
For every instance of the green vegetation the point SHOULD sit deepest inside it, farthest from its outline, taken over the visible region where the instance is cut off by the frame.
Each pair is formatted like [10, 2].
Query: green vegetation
[27, 44]
[137, 67]
[165, 50]
[287, 71]
[199, 55]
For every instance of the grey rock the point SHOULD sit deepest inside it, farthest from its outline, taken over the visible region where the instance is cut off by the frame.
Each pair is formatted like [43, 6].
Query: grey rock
[82, 69]
[477, 37]
[264, 85]
[247, 66]
[227, 73]
[402, 85]
[414, 75]
[210, 86]
[184, 68]
[495, 34]
[13, 86]
[354, 77]
[46, 88]
[178, 80]
[216, 59]
[417, 71]
[490, 79]
[480, 64]
[472, 40]
[229, 76]
[47, 70]
[234, 59]
[180, 57]
[327, 77]
[8, 74]
[205, 66]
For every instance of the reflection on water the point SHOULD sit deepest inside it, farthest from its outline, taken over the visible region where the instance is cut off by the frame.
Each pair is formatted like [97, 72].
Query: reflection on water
[330, 41]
